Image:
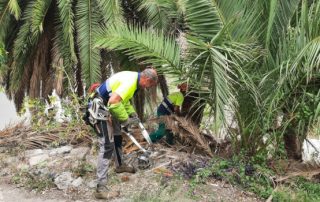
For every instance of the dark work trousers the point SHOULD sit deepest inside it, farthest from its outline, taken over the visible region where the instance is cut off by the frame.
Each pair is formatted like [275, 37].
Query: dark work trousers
[109, 145]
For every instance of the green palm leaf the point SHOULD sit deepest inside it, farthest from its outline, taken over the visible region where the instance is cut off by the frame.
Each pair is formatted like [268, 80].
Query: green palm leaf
[202, 18]
[12, 6]
[66, 32]
[111, 10]
[28, 36]
[213, 69]
[87, 26]
[142, 44]
[159, 12]
[39, 12]
[280, 14]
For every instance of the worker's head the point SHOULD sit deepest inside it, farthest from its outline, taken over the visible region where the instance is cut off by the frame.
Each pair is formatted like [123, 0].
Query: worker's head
[93, 87]
[183, 87]
[148, 78]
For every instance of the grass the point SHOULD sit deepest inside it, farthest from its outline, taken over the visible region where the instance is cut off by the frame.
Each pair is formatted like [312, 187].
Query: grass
[258, 179]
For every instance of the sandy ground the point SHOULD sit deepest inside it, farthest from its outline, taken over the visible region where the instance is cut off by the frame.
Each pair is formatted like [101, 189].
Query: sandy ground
[9, 193]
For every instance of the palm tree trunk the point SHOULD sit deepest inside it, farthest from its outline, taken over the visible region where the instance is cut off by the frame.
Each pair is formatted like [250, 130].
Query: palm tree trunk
[192, 109]
[293, 145]
[79, 78]
[40, 84]
[163, 85]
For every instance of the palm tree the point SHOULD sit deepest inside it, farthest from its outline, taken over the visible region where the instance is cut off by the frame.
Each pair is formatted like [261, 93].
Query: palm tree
[257, 58]
[45, 36]
[211, 61]
[236, 56]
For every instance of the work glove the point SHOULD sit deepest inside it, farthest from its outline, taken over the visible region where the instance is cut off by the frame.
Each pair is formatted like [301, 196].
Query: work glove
[126, 125]
[134, 115]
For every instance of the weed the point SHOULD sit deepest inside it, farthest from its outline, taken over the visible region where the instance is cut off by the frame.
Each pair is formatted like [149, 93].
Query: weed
[37, 183]
[83, 169]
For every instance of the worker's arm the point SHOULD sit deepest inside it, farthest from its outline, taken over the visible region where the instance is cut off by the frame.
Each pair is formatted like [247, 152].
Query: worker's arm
[130, 110]
[116, 107]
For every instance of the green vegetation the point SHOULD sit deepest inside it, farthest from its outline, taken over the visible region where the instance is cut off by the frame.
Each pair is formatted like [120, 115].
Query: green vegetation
[258, 59]
[32, 182]
[256, 177]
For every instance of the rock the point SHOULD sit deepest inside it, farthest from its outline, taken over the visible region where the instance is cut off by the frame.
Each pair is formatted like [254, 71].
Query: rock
[310, 151]
[60, 150]
[80, 152]
[54, 163]
[64, 180]
[23, 166]
[42, 172]
[4, 172]
[38, 159]
[34, 152]
[92, 184]
[11, 160]
[77, 182]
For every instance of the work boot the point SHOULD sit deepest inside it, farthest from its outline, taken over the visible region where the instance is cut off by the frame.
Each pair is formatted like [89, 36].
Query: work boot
[125, 169]
[102, 192]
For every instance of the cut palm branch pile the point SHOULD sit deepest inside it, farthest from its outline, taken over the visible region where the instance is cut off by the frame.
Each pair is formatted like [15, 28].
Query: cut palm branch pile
[189, 134]
[29, 138]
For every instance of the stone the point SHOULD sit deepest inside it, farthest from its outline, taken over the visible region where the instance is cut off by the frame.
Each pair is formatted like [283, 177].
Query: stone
[34, 152]
[79, 152]
[77, 182]
[11, 160]
[23, 166]
[38, 159]
[92, 184]
[64, 180]
[60, 150]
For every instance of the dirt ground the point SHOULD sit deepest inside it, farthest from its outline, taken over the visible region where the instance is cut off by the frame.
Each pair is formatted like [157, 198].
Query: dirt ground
[161, 182]
[213, 191]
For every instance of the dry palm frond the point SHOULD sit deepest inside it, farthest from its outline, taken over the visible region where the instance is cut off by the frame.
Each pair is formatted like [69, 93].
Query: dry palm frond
[187, 131]
[26, 137]
[298, 169]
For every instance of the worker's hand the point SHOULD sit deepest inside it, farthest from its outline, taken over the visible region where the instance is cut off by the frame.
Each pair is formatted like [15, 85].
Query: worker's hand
[126, 125]
[134, 115]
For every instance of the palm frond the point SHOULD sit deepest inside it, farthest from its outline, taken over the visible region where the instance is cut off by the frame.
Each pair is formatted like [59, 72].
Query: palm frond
[14, 8]
[213, 71]
[242, 18]
[202, 18]
[22, 47]
[5, 22]
[280, 14]
[309, 58]
[27, 37]
[66, 37]
[87, 24]
[111, 10]
[10, 7]
[39, 12]
[142, 44]
[159, 12]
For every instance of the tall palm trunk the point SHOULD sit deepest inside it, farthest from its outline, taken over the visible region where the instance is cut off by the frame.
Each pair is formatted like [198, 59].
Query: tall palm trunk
[40, 84]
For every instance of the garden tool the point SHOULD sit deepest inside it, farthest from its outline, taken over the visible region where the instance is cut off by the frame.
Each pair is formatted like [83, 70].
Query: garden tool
[143, 159]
